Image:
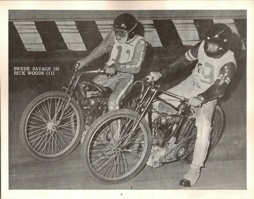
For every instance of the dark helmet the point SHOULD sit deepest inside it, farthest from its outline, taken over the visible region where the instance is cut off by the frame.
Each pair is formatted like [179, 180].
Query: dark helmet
[221, 35]
[126, 22]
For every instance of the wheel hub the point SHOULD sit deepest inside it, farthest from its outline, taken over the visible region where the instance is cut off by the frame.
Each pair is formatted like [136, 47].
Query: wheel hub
[51, 126]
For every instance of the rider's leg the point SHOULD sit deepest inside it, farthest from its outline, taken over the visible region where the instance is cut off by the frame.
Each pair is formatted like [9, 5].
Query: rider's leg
[204, 124]
[204, 117]
[101, 79]
[122, 88]
[184, 88]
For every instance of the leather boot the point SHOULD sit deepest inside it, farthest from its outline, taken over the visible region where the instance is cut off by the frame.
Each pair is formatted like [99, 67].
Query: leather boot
[191, 177]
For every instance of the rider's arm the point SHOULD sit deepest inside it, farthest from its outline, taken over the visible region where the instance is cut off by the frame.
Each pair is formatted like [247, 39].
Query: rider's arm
[134, 65]
[218, 88]
[184, 60]
[104, 47]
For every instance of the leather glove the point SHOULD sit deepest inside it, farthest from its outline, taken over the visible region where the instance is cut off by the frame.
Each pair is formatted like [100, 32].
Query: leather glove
[196, 101]
[153, 76]
[82, 63]
[111, 70]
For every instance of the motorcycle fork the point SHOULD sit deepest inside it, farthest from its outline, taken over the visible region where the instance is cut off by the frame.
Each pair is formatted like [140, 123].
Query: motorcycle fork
[68, 95]
[143, 112]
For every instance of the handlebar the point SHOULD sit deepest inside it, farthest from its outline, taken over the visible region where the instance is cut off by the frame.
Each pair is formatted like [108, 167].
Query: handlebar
[101, 71]
[157, 87]
[98, 71]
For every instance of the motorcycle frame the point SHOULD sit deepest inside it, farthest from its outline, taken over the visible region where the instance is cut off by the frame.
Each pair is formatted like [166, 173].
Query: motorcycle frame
[145, 107]
[72, 85]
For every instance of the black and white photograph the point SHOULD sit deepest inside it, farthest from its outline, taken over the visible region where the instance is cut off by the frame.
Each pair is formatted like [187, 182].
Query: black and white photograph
[127, 102]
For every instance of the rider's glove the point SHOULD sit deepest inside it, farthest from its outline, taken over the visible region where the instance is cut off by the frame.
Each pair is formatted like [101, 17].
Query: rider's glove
[196, 101]
[111, 70]
[153, 76]
[81, 63]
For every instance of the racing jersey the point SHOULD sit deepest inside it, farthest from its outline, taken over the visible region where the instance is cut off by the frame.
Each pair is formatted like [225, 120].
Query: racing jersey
[211, 75]
[127, 57]
[208, 69]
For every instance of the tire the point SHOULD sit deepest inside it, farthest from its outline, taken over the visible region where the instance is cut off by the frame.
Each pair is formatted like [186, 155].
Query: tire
[42, 137]
[108, 162]
[216, 134]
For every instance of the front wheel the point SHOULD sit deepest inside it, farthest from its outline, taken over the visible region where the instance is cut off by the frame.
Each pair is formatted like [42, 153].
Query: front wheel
[216, 133]
[113, 152]
[47, 130]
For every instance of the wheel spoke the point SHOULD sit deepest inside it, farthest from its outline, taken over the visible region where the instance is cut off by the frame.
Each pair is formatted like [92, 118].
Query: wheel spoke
[55, 142]
[33, 138]
[66, 124]
[125, 160]
[134, 155]
[125, 135]
[49, 107]
[68, 113]
[41, 141]
[104, 163]
[109, 168]
[47, 143]
[38, 117]
[34, 129]
[65, 133]
[58, 107]
[61, 135]
[34, 125]
[46, 110]
[58, 142]
[135, 138]
[41, 134]
[68, 128]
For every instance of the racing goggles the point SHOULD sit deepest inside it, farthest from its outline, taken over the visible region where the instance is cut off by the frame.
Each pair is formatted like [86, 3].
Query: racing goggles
[121, 33]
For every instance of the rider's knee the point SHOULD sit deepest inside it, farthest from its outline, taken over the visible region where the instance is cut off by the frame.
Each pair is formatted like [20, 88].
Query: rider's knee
[112, 105]
[203, 134]
[203, 122]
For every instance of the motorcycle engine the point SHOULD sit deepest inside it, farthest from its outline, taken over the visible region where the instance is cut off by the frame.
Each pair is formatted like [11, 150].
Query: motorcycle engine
[91, 101]
[93, 108]
[163, 126]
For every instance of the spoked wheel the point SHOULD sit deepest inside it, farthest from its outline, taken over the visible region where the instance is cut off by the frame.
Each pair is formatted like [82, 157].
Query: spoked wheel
[113, 152]
[217, 131]
[47, 131]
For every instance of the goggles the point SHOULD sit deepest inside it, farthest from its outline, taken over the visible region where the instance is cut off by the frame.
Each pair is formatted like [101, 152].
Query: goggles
[121, 33]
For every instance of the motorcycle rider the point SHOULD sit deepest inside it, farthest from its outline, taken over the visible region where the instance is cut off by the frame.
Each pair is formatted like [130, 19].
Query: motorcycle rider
[127, 51]
[214, 70]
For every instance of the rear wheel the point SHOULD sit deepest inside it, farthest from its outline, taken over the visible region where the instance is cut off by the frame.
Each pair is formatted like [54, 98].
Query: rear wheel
[215, 136]
[112, 153]
[44, 134]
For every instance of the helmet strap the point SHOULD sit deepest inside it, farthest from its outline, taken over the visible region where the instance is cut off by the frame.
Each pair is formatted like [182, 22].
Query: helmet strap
[133, 27]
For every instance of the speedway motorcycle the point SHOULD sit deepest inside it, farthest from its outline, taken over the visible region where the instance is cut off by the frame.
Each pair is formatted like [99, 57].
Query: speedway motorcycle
[120, 143]
[53, 123]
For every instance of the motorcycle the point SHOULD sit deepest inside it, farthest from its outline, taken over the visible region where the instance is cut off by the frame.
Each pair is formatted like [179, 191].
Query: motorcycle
[119, 144]
[53, 123]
